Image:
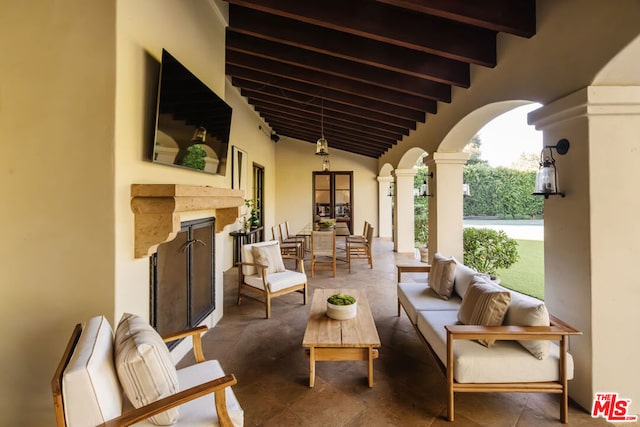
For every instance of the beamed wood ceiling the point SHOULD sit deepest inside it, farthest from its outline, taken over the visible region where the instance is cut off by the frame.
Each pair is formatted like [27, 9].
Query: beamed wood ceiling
[369, 70]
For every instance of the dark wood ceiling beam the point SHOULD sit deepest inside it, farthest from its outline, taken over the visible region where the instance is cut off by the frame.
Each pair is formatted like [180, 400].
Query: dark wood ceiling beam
[388, 24]
[339, 67]
[358, 129]
[330, 129]
[311, 94]
[328, 106]
[337, 143]
[517, 17]
[366, 51]
[328, 118]
[335, 139]
[325, 80]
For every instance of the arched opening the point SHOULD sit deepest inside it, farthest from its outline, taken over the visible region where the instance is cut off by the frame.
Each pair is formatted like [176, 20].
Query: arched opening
[498, 204]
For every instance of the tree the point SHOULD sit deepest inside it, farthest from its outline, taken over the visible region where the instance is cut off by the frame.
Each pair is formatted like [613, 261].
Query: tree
[473, 148]
[195, 157]
[420, 206]
[526, 162]
[487, 250]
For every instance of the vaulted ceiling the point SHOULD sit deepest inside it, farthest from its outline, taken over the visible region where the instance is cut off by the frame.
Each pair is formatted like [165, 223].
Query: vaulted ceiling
[363, 72]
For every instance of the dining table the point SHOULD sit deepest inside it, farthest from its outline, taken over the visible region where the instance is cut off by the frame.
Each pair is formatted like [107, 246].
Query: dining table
[341, 229]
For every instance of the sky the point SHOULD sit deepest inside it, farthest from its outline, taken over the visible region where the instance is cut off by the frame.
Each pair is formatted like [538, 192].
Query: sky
[507, 136]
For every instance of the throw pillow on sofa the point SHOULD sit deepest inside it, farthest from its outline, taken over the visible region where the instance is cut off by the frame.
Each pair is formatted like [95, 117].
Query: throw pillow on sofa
[484, 304]
[441, 275]
[528, 311]
[144, 365]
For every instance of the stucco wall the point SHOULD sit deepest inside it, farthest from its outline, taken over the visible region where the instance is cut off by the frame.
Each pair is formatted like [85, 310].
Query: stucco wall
[295, 162]
[57, 85]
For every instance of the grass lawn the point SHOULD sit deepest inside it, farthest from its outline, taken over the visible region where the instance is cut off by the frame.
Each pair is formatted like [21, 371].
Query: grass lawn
[526, 275]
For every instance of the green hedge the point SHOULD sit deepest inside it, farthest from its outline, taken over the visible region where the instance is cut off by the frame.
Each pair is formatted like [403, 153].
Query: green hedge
[501, 192]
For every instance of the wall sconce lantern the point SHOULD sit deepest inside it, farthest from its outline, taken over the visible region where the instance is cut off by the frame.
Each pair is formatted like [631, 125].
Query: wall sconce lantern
[466, 191]
[391, 192]
[547, 175]
[423, 191]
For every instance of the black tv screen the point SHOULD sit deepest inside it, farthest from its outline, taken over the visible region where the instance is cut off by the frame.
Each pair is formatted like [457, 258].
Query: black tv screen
[192, 122]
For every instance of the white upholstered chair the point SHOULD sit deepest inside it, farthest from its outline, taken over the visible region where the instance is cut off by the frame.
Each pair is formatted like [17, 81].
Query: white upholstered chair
[323, 251]
[122, 381]
[263, 276]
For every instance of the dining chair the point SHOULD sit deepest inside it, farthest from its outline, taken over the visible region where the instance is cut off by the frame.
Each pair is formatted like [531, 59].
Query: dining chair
[360, 248]
[362, 236]
[323, 251]
[294, 248]
[287, 237]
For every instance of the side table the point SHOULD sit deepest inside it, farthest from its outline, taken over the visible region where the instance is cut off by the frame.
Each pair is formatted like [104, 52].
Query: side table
[242, 237]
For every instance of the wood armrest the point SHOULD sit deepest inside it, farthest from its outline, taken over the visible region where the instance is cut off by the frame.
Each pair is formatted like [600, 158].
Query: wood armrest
[219, 384]
[475, 332]
[196, 336]
[198, 330]
[299, 262]
[412, 268]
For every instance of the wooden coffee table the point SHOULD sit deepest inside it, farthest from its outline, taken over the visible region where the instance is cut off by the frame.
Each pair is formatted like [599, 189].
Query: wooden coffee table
[326, 339]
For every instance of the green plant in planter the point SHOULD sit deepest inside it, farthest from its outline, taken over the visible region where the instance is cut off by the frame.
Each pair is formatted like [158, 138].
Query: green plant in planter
[487, 250]
[341, 299]
[254, 220]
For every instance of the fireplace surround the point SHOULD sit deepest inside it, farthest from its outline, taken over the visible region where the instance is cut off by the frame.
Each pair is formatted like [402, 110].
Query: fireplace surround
[158, 208]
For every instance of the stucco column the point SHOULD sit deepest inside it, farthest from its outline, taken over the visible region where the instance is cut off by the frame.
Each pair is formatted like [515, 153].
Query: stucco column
[445, 206]
[592, 236]
[385, 206]
[403, 210]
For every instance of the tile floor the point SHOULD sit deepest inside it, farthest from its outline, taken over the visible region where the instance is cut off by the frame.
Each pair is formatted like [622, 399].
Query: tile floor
[273, 375]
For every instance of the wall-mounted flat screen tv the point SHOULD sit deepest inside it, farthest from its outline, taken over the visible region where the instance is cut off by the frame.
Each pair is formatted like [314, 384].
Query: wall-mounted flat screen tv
[192, 122]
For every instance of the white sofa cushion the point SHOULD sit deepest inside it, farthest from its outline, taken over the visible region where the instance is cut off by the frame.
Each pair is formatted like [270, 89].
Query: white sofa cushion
[201, 412]
[506, 361]
[441, 275]
[90, 387]
[484, 304]
[418, 296]
[144, 365]
[277, 281]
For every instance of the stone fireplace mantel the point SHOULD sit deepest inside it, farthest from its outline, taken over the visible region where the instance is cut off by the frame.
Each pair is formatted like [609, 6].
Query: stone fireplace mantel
[157, 209]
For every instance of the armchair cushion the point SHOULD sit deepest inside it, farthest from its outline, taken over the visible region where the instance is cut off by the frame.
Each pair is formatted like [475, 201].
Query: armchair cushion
[92, 393]
[201, 412]
[484, 304]
[277, 281]
[441, 275]
[270, 256]
[144, 366]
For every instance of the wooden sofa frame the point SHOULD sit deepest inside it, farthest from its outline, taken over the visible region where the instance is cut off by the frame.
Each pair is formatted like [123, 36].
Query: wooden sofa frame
[133, 416]
[557, 331]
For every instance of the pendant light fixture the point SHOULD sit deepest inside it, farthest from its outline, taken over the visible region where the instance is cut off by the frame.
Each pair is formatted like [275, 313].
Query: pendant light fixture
[200, 135]
[322, 146]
